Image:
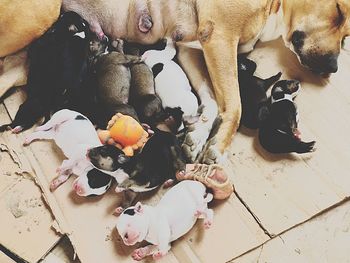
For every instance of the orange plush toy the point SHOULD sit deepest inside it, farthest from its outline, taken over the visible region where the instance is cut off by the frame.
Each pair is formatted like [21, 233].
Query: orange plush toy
[124, 132]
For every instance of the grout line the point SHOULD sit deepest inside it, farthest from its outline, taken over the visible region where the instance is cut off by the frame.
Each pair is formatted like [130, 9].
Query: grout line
[323, 212]
[256, 218]
[11, 255]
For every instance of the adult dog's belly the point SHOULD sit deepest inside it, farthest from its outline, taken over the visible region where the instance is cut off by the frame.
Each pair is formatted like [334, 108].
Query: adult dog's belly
[23, 21]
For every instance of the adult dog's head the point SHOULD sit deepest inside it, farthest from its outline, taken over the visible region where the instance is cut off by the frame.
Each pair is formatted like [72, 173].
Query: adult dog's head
[315, 30]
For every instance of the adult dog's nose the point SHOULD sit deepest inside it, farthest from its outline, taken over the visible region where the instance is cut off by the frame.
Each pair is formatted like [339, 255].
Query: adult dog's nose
[322, 64]
[332, 65]
[327, 63]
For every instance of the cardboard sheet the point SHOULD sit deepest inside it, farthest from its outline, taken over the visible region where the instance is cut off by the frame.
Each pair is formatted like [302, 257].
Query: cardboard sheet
[26, 229]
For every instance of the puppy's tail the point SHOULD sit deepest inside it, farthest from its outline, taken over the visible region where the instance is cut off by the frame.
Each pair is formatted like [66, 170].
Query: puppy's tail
[270, 81]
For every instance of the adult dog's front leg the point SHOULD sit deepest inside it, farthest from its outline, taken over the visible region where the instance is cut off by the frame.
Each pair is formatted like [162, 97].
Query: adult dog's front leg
[220, 52]
[193, 63]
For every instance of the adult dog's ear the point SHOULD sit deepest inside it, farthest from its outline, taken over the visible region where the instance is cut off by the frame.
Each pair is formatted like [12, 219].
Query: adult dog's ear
[343, 7]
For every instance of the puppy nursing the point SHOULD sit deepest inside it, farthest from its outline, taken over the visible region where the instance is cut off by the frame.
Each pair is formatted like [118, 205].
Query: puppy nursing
[171, 83]
[56, 71]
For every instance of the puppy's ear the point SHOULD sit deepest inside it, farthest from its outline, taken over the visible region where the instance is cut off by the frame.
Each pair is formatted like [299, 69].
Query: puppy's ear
[277, 93]
[72, 28]
[122, 159]
[139, 208]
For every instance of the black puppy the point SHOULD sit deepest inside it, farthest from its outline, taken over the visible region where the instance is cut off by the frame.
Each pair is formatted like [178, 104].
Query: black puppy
[253, 93]
[279, 132]
[57, 67]
[159, 161]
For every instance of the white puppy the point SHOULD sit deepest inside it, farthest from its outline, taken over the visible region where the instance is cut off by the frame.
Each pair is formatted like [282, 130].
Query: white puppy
[174, 216]
[75, 135]
[171, 83]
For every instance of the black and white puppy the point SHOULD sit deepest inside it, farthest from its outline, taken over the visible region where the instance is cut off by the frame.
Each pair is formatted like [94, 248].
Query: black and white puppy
[279, 132]
[159, 161]
[253, 93]
[57, 69]
[75, 135]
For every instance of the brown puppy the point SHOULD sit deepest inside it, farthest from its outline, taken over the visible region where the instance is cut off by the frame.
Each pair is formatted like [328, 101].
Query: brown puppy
[313, 29]
[24, 21]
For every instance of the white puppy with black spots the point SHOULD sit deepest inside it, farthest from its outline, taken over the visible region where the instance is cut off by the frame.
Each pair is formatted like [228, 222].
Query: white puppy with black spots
[171, 82]
[173, 217]
[75, 135]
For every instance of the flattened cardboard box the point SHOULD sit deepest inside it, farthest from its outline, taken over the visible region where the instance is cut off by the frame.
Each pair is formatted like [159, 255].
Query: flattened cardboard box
[26, 220]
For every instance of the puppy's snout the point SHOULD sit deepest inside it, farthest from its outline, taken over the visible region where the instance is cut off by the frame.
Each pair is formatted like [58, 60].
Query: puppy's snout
[78, 189]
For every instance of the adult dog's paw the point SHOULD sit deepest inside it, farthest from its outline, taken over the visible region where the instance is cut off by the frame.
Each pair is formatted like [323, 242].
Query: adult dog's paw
[211, 153]
[195, 140]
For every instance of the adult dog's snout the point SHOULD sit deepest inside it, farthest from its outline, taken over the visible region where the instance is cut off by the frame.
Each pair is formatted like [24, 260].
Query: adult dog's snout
[321, 64]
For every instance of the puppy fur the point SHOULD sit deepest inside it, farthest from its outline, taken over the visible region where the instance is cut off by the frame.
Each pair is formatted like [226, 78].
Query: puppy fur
[112, 79]
[75, 135]
[142, 94]
[253, 93]
[279, 132]
[56, 70]
[159, 161]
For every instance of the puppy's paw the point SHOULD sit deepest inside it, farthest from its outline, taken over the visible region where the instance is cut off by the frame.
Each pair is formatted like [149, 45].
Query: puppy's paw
[119, 189]
[195, 140]
[158, 255]
[207, 223]
[306, 147]
[139, 254]
[27, 141]
[118, 211]
[168, 183]
[199, 213]
[55, 184]
[311, 146]
[17, 129]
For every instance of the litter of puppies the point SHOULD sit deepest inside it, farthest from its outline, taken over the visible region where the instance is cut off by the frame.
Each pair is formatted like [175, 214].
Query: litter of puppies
[82, 79]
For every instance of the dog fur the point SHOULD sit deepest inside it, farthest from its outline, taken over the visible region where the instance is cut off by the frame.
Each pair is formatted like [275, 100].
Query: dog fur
[24, 21]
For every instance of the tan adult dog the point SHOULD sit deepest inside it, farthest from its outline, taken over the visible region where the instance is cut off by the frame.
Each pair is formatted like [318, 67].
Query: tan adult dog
[313, 29]
[20, 23]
